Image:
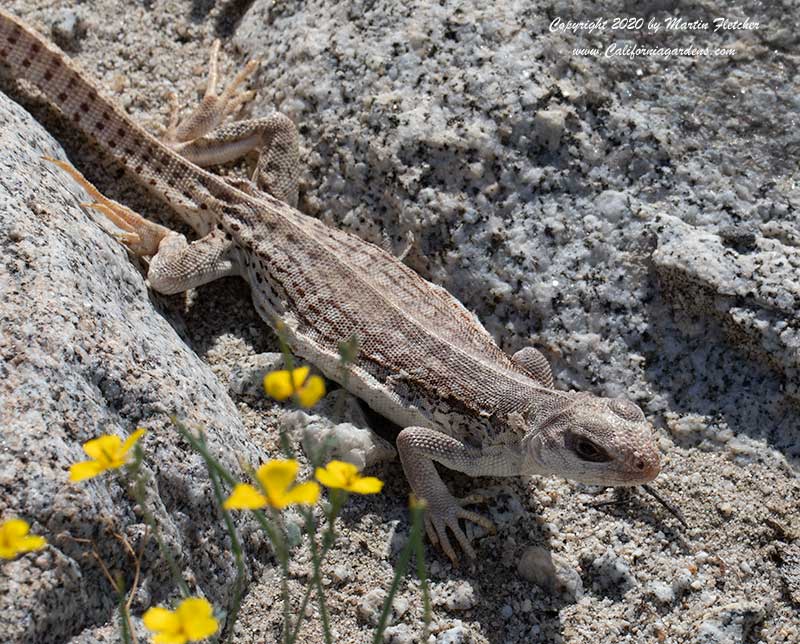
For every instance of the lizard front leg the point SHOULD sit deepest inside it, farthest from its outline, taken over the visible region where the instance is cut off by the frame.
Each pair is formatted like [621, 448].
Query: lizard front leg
[175, 265]
[419, 447]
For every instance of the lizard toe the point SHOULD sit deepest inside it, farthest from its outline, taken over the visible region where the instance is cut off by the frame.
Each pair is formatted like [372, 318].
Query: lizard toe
[478, 519]
[472, 499]
[443, 540]
[431, 531]
[458, 533]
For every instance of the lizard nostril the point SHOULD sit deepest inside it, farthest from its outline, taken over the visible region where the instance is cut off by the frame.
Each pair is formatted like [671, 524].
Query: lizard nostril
[640, 465]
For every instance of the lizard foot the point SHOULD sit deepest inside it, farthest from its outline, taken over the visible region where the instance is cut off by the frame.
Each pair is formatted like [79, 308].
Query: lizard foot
[214, 107]
[138, 234]
[442, 515]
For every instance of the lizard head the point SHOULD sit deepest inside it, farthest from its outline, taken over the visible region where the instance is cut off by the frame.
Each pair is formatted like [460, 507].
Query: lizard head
[600, 441]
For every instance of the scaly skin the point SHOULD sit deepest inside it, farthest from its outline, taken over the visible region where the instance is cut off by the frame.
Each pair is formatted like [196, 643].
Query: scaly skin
[425, 362]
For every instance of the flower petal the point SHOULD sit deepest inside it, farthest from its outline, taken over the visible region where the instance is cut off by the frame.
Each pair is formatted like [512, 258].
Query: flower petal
[336, 474]
[197, 618]
[344, 469]
[366, 485]
[303, 494]
[14, 529]
[14, 539]
[328, 478]
[276, 476]
[170, 637]
[245, 497]
[30, 543]
[85, 470]
[194, 608]
[132, 439]
[201, 629]
[159, 619]
[310, 393]
[277, 385]
[299, 376]
[103, 447]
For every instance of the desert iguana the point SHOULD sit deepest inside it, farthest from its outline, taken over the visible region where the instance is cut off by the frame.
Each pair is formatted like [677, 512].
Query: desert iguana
[424, 362]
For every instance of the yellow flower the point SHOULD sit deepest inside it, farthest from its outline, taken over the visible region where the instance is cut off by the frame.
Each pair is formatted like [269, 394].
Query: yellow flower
[192, 621]
[278, 489]
[307, 389]
[14, 539]
[108, 453]
[345, 476]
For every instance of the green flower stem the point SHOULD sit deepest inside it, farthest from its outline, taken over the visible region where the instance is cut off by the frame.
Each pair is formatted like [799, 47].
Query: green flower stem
[300, 613]
[137, 489]
[288, 361]
[338, 499]
[124, 616]
[417, 515]
[317, 565]
[200, 448]
[278, 544]
[348, 351]
[235, 547]
[400, 571]
[283, 558]
[328, 538]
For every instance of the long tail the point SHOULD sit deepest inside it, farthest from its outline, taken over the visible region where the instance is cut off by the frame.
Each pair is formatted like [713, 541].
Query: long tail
[175, 180]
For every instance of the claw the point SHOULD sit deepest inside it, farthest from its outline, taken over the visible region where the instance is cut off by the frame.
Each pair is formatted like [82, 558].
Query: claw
[213, 68]
[437, 522]
[138, 234]
[472, 499]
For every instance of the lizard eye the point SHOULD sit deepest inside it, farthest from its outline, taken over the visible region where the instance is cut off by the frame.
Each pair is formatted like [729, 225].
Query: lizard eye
[588, 451]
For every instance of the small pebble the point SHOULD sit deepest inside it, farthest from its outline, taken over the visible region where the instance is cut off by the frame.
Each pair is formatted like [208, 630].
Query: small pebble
[662, 591]
[370, 605]
[454, 595]
[725, 509]
[68, 29]
[455, 635]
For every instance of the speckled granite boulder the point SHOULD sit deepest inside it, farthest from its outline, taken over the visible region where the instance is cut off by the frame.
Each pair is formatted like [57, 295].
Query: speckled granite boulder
[534, 184]
[754, 290]
[84, 351]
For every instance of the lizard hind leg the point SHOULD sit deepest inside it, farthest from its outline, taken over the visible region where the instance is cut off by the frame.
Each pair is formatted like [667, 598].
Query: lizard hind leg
[273, 138]
[175, 265]
[204, 139]
[140, 236]
[214, 107]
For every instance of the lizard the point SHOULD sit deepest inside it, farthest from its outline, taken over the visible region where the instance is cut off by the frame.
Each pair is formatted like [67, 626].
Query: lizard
[425, 362]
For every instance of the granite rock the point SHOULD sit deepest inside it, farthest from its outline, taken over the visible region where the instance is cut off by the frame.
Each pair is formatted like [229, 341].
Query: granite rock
[85, 350]
[754, 291]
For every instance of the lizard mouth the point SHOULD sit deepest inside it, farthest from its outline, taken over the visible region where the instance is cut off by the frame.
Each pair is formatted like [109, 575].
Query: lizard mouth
[640, 474]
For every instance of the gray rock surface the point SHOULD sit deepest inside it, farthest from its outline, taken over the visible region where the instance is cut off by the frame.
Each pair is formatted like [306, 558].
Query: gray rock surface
[534, 183]
[84, 351]
[754, 291]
